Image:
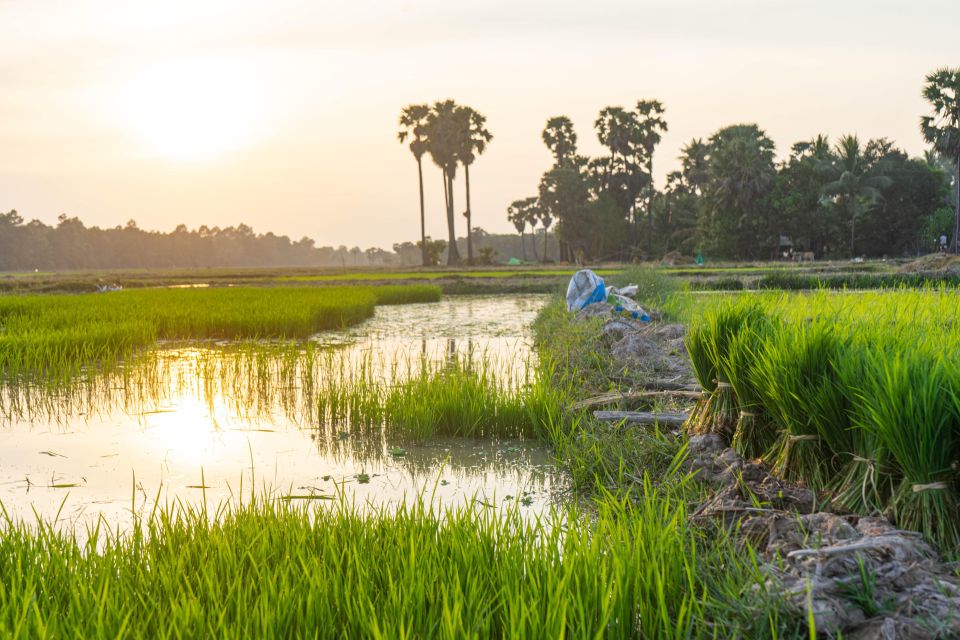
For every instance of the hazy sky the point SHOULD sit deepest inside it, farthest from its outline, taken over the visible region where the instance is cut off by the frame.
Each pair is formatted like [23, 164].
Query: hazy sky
[282, 114]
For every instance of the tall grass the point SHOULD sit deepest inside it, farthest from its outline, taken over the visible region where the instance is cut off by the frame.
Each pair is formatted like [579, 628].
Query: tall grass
[267, 570]
[59, 335]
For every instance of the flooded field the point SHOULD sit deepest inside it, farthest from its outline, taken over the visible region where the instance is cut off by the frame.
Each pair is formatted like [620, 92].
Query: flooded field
[214, 420]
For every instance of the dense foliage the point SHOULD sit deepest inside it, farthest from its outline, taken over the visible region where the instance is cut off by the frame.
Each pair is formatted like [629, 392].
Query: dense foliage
[733, 199]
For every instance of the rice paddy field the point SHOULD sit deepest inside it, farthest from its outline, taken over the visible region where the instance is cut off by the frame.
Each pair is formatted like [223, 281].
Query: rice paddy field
[385, 461]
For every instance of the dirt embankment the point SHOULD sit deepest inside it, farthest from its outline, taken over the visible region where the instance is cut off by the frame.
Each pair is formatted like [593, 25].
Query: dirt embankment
[935, 263]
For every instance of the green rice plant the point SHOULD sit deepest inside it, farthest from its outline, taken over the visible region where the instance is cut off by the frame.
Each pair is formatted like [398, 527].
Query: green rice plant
[58, 336]
[710, 338]
[912, 406]
[865, 482]
[800, 390]
[755, 431]
[270, 568]
[456, 401]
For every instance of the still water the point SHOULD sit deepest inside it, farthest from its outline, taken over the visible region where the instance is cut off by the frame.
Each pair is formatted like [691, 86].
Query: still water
[212, 422]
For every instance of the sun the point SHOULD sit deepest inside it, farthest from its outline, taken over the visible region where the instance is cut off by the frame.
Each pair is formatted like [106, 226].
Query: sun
[191, 110]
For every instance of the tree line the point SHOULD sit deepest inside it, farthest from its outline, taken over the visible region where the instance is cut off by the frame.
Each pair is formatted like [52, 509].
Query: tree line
[732, 199]
[72, 245]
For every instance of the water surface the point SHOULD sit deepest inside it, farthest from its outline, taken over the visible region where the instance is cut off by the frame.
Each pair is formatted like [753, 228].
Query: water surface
[210, 422]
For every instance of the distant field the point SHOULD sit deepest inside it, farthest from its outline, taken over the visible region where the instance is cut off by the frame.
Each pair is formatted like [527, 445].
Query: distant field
[58, 334]
[439, 275]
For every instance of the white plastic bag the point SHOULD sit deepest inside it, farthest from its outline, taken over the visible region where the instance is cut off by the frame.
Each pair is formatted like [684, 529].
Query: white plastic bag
[584, 289]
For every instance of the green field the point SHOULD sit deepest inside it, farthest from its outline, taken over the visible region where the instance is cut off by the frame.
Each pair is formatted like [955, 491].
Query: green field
[853, 394]
[57, 335]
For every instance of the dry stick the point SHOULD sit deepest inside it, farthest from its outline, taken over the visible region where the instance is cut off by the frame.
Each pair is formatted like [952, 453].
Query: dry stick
[933, 486]
[834, 551]
[610, 398]
[642, 417]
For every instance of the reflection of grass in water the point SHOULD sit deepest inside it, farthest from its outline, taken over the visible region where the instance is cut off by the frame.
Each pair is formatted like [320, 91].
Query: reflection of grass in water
[283, 569]
[58, 336]
[407, 395]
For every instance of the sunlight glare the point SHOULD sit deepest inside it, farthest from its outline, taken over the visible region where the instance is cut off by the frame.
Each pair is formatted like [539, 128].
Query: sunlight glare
[191, 110]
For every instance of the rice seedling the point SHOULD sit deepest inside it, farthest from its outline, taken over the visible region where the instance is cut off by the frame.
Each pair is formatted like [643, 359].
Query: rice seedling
[755, 431]
[708, 343]
[912, 407]
[863, 387]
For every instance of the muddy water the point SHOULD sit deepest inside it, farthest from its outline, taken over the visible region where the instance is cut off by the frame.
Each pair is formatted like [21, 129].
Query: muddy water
[204, 423]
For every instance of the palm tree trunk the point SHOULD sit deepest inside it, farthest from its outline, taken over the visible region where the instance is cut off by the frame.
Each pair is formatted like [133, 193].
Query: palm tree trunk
[544, 244]
[650, 207]
[423, 219]
[956, 222]
[523, 245]
[453, 255]
[466, 175]
[853, 228]
[533, 243]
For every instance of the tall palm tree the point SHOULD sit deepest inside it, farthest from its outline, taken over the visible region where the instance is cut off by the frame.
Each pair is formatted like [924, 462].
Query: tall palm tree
[444, 140]
[850, 189]
[942, 129]
[413, 119]
[651, 125]
[473, 143]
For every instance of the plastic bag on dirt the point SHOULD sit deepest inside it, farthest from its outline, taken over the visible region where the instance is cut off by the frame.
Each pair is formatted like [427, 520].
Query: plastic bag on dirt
[584, 289]
[623, 304]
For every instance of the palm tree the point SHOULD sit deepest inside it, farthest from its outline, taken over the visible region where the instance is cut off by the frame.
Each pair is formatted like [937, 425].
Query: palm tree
[651, 124]
[850, 189]
[413, 119]
[546, 220]
[561, 139]
[444, 140]
[517, 214]
[942, 129]
[473, 143]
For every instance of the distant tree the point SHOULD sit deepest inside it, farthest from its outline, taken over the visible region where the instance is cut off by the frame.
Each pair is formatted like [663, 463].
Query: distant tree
[413, 120]
[851, 190]
[650, 126]
[434, 251]
[487, 255]
[942, 128]
[473, 143]
[561, 139]
[445, 133]
[734, 219]
[796, 198]
[545, 220]
[916, 192]
[619, 130]
[518, 215]
[563, 195]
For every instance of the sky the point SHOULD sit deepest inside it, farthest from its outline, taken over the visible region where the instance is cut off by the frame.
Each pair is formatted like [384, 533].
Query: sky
[282, 114]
